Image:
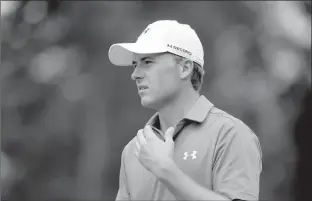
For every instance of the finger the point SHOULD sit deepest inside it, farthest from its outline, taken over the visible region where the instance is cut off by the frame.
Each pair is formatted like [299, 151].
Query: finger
[137, 143]
[169, 134]
[141, 138]
[148, 132]
[136, 153]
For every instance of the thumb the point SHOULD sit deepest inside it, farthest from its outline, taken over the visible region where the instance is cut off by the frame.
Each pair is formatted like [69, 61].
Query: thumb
[169, 134]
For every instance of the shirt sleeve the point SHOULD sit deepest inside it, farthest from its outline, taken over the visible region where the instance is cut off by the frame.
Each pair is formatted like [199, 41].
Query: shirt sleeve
[237, 163]
[123, 190]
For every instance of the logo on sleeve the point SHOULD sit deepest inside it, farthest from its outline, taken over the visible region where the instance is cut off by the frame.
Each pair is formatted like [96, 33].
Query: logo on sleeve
[193, 155]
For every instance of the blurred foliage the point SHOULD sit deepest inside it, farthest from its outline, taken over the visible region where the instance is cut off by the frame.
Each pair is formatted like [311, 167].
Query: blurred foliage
[303, 139]
[67, 113]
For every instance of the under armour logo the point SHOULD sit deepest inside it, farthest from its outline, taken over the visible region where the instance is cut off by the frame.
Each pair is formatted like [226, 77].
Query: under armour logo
[146, 30]
[186, 155]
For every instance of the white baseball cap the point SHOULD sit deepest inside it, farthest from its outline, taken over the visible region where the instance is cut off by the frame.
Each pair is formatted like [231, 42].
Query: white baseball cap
[159, 37]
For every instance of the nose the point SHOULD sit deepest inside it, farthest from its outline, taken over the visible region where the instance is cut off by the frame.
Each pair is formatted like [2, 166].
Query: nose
[137, 74]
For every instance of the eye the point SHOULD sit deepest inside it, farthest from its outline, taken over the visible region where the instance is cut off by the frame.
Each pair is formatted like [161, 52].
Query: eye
[147, 61]
[134, 65]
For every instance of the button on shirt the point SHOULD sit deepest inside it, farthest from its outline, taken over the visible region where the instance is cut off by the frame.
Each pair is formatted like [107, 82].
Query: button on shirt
[215, 149]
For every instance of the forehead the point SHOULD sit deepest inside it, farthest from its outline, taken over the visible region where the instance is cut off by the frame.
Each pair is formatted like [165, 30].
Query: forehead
[155, 56]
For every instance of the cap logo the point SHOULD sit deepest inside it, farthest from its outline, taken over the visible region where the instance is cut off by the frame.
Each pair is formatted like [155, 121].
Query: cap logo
[146, 30]
[179, 49]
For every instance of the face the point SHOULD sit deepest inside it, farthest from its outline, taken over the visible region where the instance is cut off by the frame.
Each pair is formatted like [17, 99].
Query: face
[157, 77]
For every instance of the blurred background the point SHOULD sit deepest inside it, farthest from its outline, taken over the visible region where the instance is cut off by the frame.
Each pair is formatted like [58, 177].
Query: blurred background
[67, 112]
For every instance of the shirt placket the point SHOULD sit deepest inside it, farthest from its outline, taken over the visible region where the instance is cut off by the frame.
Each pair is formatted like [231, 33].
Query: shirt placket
[160, 188]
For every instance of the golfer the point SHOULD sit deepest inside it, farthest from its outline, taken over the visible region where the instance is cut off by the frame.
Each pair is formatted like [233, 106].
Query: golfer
[189, 149]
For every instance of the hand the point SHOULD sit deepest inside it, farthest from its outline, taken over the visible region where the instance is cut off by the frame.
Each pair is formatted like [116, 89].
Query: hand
[153, 153]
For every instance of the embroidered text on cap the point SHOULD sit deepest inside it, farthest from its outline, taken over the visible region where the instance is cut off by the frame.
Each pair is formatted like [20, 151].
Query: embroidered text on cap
[179, 49]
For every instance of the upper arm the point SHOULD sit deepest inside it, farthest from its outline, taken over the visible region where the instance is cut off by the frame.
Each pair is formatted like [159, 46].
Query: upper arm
[237, 163]
[123, 190]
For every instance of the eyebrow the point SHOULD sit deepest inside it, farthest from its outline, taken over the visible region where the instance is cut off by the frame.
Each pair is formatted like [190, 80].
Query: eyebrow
[142, 59]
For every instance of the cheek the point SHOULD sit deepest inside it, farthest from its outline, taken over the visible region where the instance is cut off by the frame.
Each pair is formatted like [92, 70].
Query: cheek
[167, 81]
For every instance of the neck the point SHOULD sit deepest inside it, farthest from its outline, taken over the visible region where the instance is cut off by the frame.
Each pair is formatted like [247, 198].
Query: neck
[173, 112]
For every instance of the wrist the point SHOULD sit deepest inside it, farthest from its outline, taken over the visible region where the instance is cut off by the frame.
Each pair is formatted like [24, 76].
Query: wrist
[166, 168]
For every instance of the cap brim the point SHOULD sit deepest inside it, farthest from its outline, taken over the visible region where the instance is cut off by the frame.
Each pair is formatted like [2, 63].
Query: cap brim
[121, 54]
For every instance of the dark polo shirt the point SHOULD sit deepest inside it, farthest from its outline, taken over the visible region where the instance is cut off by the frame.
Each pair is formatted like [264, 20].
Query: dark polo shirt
[215, 149]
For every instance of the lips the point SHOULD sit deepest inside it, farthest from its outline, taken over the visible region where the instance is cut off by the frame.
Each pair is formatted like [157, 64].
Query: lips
[142, 87]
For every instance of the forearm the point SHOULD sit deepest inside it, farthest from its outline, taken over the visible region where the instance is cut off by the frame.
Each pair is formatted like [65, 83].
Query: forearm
[182, 186]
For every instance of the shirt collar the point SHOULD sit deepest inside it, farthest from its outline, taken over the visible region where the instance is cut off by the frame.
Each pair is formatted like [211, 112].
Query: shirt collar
[198, 112]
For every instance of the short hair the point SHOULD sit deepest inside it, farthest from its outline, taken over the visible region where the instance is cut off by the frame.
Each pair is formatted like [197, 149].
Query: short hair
[197, 76]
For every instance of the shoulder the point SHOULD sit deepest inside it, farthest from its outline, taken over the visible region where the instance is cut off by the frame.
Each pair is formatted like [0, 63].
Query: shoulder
[129, 148]
[230, 126]
[236, 137]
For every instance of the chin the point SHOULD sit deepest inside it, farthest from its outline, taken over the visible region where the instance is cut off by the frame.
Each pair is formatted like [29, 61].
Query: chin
[148, 102]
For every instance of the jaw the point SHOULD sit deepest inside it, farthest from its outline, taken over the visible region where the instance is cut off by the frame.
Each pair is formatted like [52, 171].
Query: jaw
[148, 102]
[158, 102]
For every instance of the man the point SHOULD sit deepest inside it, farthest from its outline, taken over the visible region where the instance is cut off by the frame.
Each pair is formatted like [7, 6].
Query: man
[189, 150]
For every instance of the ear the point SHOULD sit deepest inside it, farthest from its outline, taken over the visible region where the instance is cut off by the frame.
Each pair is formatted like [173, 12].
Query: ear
[186, 68]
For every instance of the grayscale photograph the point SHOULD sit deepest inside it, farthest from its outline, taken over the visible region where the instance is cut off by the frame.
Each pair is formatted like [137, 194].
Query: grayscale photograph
[156, 100]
